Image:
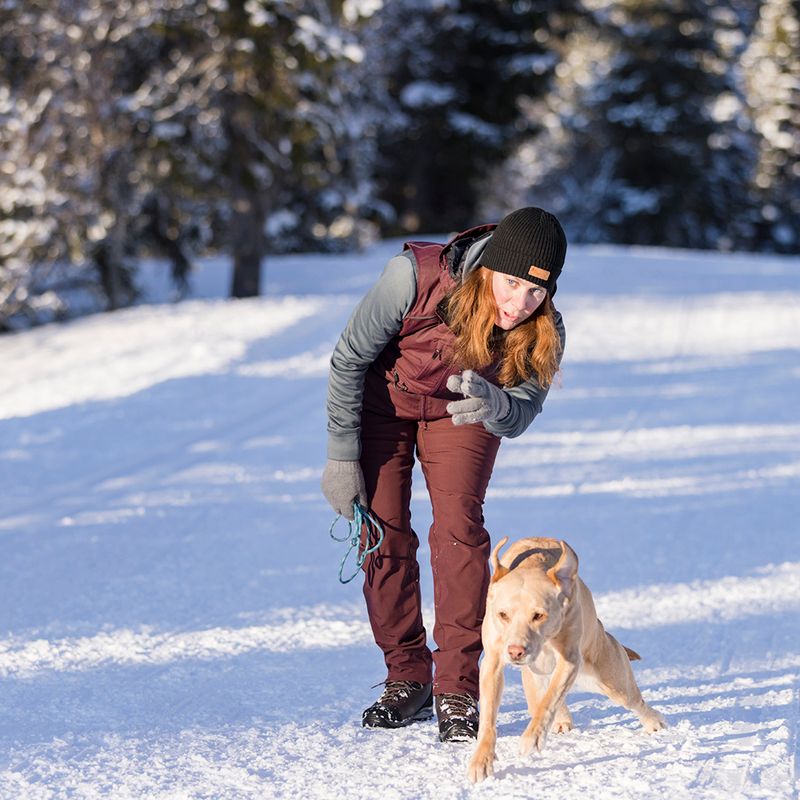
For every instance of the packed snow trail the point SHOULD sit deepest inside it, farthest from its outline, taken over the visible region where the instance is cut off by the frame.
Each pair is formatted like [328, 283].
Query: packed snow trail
[172, 622]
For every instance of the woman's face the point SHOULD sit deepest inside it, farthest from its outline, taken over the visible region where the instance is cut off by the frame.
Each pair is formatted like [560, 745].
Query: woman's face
[516, 299]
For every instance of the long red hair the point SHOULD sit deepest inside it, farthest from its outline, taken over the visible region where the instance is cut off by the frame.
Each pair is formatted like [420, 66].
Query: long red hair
[531, 348]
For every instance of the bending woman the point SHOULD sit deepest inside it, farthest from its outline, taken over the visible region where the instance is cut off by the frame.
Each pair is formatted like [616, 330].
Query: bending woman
[454, 347]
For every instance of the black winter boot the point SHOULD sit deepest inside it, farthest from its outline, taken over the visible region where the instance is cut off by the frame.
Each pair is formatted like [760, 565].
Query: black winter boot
[401, 703]
[458, 717]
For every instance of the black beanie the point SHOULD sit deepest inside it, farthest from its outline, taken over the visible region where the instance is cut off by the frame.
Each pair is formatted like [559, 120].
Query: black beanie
[528, 243]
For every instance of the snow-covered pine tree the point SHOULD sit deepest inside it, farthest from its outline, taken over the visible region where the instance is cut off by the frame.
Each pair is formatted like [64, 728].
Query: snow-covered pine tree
[331, 190]
[57, 100]
[28, 202]
[146, 124]
[649, 140]
[772, 68]
[71, 68]
[246, 117]
[459, 72]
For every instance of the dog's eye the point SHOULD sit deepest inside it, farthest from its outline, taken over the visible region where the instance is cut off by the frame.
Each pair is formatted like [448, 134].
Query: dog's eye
[503, 616]
[537, 617]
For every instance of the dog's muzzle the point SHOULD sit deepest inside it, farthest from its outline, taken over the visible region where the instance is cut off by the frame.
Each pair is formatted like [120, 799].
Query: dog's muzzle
[517, 654]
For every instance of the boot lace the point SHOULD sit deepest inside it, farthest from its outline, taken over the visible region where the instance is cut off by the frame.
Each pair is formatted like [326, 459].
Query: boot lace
[397, 691]
[458, 706]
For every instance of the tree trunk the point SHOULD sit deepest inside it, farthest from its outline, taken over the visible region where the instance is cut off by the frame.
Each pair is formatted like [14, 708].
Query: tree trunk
[247, 247]
[246, 235]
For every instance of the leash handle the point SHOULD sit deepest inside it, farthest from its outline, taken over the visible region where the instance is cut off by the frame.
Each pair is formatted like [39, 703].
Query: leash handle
[361, 517]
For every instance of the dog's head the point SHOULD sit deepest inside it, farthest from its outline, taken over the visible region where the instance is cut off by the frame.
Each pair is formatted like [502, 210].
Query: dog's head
[527, 601]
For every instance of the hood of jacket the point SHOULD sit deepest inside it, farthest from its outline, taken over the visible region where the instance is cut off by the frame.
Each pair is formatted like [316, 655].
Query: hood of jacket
[463, 253]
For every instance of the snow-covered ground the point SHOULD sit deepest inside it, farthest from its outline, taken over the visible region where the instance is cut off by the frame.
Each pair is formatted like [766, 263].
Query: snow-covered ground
[172, 625]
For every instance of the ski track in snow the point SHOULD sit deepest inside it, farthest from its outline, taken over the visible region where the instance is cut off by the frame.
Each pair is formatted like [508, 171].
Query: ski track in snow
[172, 623]
[776, 589]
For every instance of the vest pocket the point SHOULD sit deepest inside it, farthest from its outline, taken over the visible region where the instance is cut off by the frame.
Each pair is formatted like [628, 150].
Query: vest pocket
[425, 365]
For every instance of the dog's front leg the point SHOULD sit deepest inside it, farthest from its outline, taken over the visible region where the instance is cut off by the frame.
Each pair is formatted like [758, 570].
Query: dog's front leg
[481, 764]
[560, 683]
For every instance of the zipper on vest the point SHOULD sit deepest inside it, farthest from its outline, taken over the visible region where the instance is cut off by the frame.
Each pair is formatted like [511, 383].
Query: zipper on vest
[437, 353]
[398, 385]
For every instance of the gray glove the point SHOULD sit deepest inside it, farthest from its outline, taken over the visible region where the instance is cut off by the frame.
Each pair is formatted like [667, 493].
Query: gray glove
[484, 403]
[342, 483]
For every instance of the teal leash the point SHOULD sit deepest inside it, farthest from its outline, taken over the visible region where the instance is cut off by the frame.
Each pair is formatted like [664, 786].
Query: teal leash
[361, 517]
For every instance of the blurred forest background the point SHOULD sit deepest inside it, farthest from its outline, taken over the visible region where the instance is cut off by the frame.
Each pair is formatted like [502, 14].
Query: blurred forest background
[173, 129]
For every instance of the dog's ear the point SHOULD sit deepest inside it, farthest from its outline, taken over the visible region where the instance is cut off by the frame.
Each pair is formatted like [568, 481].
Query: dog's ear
[565, 571]
[498, 570]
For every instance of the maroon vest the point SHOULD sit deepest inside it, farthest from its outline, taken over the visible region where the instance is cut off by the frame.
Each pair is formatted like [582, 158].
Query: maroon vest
[418, 359]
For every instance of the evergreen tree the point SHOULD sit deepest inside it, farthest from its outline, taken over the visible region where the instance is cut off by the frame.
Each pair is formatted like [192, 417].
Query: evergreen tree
[76, 63]
[772, 66]
[655, 147]
[458, 74]
[163, 123]
[28, 202]
[242, 112]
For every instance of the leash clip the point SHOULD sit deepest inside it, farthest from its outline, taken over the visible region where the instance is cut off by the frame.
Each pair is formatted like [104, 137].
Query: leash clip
[361, 517]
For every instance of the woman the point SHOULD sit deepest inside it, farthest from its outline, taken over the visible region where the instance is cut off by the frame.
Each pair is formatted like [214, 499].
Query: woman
[453, 348]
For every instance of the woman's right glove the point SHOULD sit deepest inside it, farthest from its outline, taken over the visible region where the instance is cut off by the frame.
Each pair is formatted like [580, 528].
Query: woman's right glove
[342, 483]
[484, 402]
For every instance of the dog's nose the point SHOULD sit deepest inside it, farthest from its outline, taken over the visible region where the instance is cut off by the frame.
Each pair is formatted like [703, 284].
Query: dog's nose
[516, 652]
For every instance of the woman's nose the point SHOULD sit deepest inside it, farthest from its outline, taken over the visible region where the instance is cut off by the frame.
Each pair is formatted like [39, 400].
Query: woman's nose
[521, 301]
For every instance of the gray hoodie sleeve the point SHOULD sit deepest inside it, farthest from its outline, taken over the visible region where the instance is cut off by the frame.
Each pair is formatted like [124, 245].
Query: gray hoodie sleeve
[376, 319]
[526, 399]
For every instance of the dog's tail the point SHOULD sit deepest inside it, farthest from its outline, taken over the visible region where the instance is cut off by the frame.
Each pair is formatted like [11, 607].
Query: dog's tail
[632, 654]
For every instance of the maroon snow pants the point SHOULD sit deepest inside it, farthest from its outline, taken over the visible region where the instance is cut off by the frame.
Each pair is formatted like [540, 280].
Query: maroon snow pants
[457, 463]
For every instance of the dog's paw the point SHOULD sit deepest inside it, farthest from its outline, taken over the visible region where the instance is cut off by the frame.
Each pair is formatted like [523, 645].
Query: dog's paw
[652, 721]
[481, 765]
[533, 739]
[563, 726]
[563, 720]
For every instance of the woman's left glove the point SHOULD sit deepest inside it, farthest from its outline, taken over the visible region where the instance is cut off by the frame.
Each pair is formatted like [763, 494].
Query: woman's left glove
[485, 402]
[342, 483]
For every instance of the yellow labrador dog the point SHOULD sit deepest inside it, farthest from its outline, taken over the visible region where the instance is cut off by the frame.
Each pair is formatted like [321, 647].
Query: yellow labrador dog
[540, 616]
